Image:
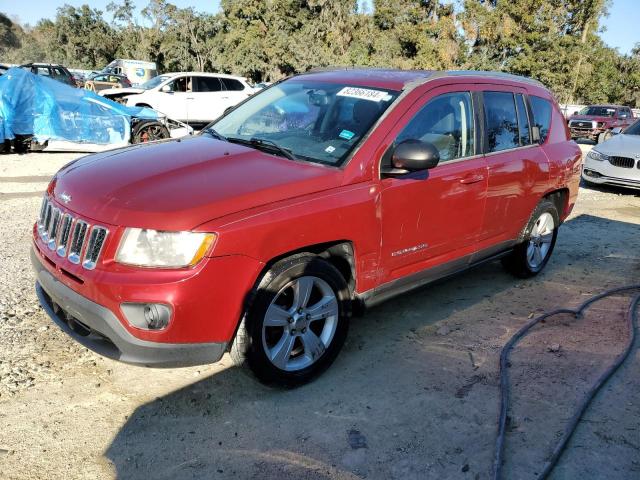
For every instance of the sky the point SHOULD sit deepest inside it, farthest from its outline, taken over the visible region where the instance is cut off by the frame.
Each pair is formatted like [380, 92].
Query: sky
[620, 26]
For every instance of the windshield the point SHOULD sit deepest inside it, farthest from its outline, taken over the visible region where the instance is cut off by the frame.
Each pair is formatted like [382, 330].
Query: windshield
[633, 129]
[598, 111]
[154, 82]
[314, 121]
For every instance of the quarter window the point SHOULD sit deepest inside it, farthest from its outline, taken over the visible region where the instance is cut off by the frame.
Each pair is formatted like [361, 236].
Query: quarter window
[208, 84]
[541, 110]
[502, 121]
[446, 122]
[232, 84]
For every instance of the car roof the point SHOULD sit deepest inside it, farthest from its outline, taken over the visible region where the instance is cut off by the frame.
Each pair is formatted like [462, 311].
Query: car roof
[396, 79]
[41, 64]
[203, 74]
[607, 105]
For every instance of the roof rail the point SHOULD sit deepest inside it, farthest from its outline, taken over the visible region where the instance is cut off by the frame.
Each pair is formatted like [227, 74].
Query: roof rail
[497, 75]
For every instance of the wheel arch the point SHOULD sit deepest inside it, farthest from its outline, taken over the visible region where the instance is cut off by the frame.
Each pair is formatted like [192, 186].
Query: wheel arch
[339, 253]
[560, 198]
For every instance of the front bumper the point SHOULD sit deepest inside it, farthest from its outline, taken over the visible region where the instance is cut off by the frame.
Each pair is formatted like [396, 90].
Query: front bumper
[98, 329]
[604, 172]
[593, 176]
[590, 133]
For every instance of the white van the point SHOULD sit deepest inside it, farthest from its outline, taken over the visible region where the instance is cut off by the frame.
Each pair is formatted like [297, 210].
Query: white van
[137, 71]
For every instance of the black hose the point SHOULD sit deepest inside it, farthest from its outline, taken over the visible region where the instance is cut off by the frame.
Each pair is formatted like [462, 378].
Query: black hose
[632, 314]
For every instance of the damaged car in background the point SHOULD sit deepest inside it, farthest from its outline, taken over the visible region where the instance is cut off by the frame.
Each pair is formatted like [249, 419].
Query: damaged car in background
[616, 161]
[38, 113]
[196, 98]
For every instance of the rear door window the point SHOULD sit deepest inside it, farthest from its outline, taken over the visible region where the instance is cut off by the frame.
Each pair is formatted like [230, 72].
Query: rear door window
[208, 84]
[232, 84]
[501, 120]
[541, 109]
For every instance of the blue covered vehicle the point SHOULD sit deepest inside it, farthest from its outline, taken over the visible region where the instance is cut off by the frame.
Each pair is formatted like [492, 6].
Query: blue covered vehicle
[39, 113]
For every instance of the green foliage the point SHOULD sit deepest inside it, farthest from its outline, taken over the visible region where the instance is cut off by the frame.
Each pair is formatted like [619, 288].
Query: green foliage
[555, 41]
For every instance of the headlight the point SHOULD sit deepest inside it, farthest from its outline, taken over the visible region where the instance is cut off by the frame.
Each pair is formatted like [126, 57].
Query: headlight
[152, 248]
[595, 155]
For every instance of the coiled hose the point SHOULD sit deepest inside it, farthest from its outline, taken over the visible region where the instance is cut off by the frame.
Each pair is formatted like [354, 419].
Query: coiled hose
[631, 317]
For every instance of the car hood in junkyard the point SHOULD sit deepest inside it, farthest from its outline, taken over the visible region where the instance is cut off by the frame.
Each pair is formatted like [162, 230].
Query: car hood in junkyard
[621, 145]
[121, 91]
[180, 184]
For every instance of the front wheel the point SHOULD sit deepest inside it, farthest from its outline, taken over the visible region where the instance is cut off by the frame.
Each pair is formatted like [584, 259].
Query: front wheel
[296, 323]
[531, 256]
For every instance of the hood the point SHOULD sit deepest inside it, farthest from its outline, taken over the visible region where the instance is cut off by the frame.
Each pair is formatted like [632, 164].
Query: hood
[590, 118]
[121, 91]
[180, 184]
[621, 146]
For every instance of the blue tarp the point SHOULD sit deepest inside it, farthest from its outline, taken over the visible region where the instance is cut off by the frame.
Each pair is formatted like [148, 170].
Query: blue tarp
[51, 110]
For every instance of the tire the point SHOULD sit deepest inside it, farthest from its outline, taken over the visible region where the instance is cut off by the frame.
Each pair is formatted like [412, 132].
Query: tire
[604, 136]
[531, 256]
[294, 349]
[149, 131]
[21, 143]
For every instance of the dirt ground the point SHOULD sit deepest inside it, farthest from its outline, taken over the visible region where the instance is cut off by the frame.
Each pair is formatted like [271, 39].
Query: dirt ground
[414, 394]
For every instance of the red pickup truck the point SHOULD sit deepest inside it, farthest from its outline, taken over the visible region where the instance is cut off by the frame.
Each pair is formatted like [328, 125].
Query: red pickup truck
[323, 193]
[596, 122]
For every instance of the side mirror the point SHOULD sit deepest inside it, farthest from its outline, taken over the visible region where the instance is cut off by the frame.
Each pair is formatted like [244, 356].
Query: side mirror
[622, 115]
[616, 131]
[535, 134]
[166, 89]
[413, 155]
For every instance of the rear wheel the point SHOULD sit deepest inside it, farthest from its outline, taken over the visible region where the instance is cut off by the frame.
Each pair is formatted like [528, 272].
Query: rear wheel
[297, 322]
[531, 256]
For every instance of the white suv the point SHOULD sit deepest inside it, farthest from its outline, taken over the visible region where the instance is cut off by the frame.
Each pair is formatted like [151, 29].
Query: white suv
[191, 97]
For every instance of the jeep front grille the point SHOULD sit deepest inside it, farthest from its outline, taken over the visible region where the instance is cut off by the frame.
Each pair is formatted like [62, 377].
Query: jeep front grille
[70, 236]
[622, 162]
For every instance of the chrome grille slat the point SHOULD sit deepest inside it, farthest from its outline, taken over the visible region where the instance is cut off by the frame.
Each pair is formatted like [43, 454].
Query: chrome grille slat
[69, 236]
[65, 232]
[46, 222]
[52, 233]
[77, 241]
[94, 247]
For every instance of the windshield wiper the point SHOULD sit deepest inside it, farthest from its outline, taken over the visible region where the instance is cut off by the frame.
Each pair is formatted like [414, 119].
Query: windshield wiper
[212, 131]
[256, 142]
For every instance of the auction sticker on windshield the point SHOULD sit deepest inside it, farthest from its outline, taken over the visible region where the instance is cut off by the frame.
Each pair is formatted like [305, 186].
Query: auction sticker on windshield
[363, 93]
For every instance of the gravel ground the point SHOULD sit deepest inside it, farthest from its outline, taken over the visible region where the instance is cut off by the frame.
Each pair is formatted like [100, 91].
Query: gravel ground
[413, 395]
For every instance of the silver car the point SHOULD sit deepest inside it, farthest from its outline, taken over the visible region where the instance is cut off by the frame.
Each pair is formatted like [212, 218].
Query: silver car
[616, 161]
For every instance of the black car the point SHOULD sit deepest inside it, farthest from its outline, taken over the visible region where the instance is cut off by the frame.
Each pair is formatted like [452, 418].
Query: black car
[51, 70]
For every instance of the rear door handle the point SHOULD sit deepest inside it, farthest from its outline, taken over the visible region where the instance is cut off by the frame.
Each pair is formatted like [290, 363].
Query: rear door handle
[469, 179]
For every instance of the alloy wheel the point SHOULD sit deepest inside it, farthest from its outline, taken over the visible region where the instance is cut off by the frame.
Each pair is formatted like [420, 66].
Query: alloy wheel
[540, 240]
[300, 323]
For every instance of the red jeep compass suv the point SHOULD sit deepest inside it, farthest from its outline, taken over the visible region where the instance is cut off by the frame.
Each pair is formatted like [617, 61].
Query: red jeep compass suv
[323, 192]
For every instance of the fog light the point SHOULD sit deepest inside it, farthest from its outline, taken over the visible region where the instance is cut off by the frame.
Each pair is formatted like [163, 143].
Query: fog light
[157, 316]
[148, 316]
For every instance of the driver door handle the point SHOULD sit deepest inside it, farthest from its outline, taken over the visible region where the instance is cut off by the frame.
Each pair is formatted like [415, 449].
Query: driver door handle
[473, 178]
